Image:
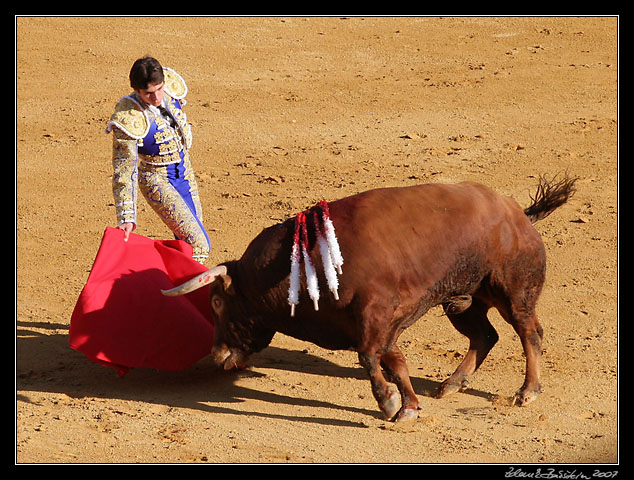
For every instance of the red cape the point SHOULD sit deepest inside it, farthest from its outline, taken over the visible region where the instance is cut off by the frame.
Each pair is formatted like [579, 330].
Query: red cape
[122, 320]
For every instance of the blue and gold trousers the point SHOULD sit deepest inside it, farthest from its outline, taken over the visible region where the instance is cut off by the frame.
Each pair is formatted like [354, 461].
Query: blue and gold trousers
[172, 192]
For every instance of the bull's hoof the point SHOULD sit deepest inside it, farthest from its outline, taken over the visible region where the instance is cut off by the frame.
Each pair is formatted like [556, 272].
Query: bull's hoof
[448, 387]
[391, 404]
[406, 414]
[457, 304]
[524, 397]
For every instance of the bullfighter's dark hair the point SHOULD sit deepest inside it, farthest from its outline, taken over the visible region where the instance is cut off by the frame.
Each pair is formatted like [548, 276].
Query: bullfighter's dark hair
[146, 71]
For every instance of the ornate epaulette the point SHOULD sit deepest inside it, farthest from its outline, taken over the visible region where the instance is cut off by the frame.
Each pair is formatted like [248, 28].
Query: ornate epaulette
[130, 118]
[175, 86]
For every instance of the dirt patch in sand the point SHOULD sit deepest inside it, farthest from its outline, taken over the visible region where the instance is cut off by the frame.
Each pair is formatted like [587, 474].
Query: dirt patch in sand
[287, 112]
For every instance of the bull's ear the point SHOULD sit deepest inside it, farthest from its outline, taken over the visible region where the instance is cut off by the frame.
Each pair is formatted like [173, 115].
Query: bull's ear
[228, 284]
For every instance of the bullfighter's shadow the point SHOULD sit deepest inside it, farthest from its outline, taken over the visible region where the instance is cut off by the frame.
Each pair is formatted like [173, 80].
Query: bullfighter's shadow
[45, 363]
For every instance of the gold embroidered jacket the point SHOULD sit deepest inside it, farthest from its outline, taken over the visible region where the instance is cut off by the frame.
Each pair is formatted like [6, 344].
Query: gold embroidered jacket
[144, 135]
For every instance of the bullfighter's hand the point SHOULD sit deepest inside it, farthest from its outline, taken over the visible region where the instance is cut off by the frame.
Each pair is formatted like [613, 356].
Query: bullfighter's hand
[127, 227]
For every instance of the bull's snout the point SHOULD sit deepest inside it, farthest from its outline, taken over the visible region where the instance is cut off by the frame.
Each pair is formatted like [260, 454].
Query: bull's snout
[229, 358]
[219, 353]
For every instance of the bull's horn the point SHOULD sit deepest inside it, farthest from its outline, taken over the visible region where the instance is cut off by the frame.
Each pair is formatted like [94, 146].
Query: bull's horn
[197, 282]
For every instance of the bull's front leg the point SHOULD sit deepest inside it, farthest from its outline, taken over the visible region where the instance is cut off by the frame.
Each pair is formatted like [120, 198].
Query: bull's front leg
[395, 367]
[386, 396]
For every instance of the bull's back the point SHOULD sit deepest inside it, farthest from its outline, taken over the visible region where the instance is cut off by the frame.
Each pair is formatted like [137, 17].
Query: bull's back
[428, 237]
[417, 203]
[428, 215]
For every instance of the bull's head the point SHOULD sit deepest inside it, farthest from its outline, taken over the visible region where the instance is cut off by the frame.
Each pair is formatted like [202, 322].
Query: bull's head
[235, 336]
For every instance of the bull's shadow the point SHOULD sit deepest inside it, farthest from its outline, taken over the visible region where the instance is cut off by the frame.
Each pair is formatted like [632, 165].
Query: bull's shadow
[295, 360]
[45, 363]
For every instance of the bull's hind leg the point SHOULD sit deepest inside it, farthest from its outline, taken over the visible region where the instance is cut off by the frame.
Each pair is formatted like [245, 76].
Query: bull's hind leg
[474, 324]
[518, 309]
[530, 332]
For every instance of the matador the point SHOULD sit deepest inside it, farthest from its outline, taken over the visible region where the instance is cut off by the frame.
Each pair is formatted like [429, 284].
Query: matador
[151, 142]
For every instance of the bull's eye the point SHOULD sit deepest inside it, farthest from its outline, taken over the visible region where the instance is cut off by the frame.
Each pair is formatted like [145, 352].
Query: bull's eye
[216, 303]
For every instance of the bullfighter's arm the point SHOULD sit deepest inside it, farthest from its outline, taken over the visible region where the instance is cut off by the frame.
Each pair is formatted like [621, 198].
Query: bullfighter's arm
[124, 178]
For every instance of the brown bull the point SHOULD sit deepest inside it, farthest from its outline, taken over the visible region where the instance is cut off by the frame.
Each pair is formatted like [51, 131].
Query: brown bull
[406, 250]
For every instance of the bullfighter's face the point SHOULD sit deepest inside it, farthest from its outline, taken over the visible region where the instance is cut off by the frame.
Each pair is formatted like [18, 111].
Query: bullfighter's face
[153, 94]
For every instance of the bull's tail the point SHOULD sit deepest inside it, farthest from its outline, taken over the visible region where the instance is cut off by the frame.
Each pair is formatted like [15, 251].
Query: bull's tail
[550, 195]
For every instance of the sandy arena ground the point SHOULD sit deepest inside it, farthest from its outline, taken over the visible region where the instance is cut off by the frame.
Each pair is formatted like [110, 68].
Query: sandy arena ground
[287, 112]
